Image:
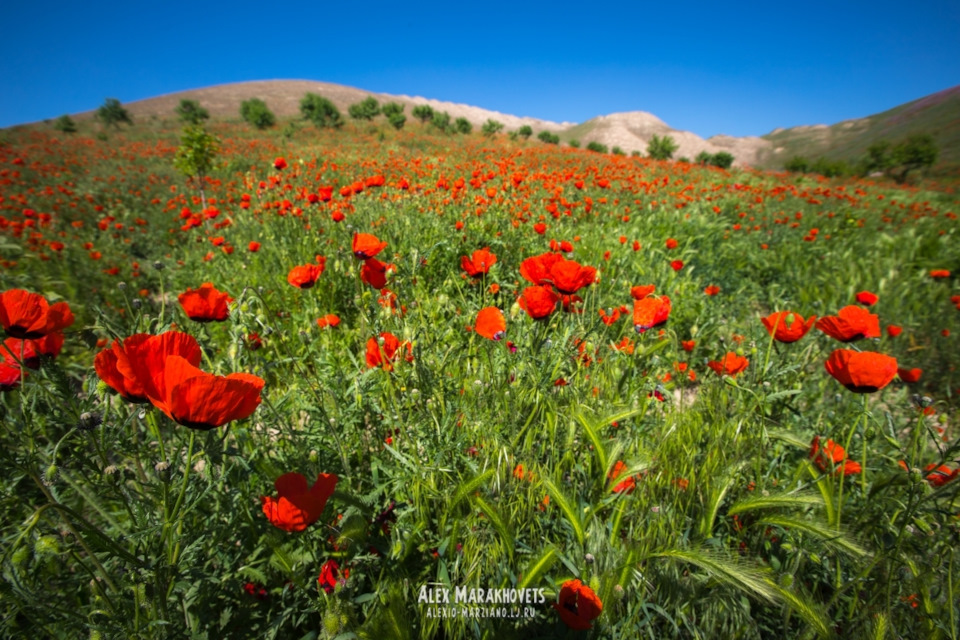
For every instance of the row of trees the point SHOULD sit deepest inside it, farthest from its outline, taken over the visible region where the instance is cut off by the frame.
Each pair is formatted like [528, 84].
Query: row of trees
[895, 161]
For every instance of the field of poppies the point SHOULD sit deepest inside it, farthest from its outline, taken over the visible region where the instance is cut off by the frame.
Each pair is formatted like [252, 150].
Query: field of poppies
[394, 384]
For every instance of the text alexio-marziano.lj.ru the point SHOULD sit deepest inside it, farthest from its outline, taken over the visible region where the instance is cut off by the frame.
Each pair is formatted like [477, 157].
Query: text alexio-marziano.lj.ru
[466, 602]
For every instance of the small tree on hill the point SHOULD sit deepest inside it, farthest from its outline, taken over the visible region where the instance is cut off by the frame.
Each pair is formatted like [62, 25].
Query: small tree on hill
[65, 124]
[574, 143]
[195, 155]
[255, 112]
[878, 157]
[597, 147]
[365, 110]
[661, 148]
[491, 128]
[191, 112]
[320, 111]
[549, 138]
[797, 164]
[441, 121]
[423, 113]
[111, 112]
[462, 125]
[916, 152]
[703, 157]
[722, 159]
[397, 120]
[392, 108]
[525, 131]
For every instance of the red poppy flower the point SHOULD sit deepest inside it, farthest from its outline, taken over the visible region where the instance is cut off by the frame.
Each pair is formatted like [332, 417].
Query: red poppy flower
[279, 164]
[851, 323]
[830, 454]
[626, 485]
[939, 273]
[676, 265]
[688, 345]
[731, 365]
[650, 312]
[909, 375]
[491, 323]
[254, 246]
[296, 506]
[479, 263]
[536, 270]
[787, 326]
[861, 371]
[135, 368]
[329, 320]
[671, 243]
[578, 605]
[366, 245]
[331, 575]
[641, 291]
[374, 273]
[938, 476]
[28, 315]
[10, 372]
[893, 330]
[712, 290]
[386, 353]
[539, 302]
[305, 276]
[200, 400]
[867, 298]
[28, 352]
[569, 276]
[205, 304]
[540, 228]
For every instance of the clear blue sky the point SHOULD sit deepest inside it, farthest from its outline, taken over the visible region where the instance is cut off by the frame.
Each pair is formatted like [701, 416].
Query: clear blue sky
[740, 68]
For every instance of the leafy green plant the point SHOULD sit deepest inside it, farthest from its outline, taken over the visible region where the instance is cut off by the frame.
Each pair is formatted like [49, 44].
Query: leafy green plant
[423, 113]
[367, 109]
[191, 112]
[462, 125]
[112, 113]
[491, 127]
[597, 147]
[65, 124]
[195, 156]
[548, 137]
[525, 131]
[661, 147]
[320, 111]
[255, 112]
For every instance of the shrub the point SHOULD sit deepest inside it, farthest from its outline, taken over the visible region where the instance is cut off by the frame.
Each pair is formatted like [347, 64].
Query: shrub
[525, 131]
[704, 157]
[683, 159]
[65, 124]
[392, 108]
[661, 148]
[441, 121]
[397, 120]
[462, 125]
[256, 113]
[195, 155]
[797, 164]
[549, 138]
[111, 112]
[722, 159]
[320, 111]
[191, 112]
[423, 113]
[636, 154]
[491, 127]
[597, 146]
[574, 143]
[365, 110]
[617, 151]
[916, 152]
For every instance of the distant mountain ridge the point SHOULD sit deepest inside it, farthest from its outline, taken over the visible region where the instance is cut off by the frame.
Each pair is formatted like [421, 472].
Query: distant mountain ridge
[937, 114]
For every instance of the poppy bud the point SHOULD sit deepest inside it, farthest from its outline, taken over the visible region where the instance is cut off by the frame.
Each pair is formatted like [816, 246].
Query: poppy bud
[89, 421]
[163, 470]
[46, 545]
[122, 286]
[50, 475]
[159, 266]
[136, 303]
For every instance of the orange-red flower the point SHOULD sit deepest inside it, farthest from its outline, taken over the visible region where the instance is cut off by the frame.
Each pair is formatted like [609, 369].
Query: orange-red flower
[909, 375]
[491, 323]
[867, 298]
[787, 326]
[940, 475]
[296, 506]
[711, 290]
[861, 371]
[568, 276]
[305, 276]
[688, 345]
[830, 454]
[279, 164]
[374, 273]
[383, 352]
[641, 291]
[135, 368]
[254, 246]
[676, 265]
[28, 352]
[200, 400]
[205, 304]
[330, 574]
[538, 301]
[731, 365]
[627, 485]
[28, 315]
[578, 605]
[479, 263]
[650, 312]
[893, 330]
[671, 243]
[851, 323]
[939, 273]
[329, 320]
[366, 245]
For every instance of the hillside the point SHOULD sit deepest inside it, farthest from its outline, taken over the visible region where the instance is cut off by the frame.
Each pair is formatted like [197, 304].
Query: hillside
[937, 114]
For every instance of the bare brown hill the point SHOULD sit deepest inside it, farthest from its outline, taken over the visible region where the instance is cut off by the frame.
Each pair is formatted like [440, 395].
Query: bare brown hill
[283, 98]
